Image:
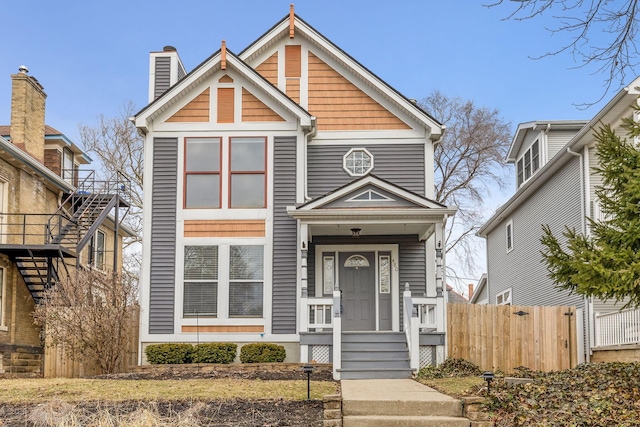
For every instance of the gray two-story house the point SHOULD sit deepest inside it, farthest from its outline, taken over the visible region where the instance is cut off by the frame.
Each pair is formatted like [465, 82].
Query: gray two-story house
[289, 200]
[555, 185]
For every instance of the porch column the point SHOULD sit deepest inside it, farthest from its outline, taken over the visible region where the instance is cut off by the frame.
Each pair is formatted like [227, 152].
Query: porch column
[303, 315]
[441, 309]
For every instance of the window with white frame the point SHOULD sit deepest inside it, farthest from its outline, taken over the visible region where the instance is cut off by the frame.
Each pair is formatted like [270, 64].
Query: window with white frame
[528, 163]
[246, 277]
[97, 250]
[200, 281]
[67, 165]
[504, 297]
[358, 162]
[509, 235]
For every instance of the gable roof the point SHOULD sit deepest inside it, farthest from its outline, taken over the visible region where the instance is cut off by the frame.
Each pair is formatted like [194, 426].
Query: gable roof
[352, 189]
[482, 283]
[611, 112]
[523, 128]
[281, 30]
[206, 69]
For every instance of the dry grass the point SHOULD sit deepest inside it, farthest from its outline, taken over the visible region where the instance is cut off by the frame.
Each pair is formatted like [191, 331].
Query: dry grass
[456, 386]
[70, 390]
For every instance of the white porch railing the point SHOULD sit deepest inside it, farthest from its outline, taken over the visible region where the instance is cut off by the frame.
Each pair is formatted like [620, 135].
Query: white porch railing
[617, 328]
[320, 315]
[427, 309]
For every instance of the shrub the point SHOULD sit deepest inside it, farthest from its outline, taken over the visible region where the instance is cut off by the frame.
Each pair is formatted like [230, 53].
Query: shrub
[262, 353]
[215, 352]
[169, 353]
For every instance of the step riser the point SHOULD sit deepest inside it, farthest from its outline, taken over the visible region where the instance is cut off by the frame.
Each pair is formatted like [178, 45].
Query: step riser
[353, 346]
[404, 422]
[452, 408]
[379, 355]
[374, 338]
[368, 364]
[374, 375]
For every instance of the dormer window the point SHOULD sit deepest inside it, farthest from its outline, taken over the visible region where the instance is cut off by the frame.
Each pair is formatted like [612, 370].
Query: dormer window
[528, 164]
[358, 162]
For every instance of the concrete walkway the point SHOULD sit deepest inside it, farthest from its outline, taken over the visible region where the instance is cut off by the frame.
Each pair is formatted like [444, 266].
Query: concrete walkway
[398, 403]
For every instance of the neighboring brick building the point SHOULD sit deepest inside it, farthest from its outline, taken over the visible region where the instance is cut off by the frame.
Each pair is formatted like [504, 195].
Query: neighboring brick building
[49, 221]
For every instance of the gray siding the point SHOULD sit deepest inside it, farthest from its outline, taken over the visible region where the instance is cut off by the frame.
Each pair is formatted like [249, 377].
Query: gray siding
[284, 237]
[163, 75]
[325, 170]
[413, 267]
[181, 71]
[163, 236]
[556, 140]
[483, 294]
[557, 203]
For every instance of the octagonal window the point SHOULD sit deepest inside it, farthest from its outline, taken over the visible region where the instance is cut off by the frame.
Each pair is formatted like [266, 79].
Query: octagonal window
[358, 162]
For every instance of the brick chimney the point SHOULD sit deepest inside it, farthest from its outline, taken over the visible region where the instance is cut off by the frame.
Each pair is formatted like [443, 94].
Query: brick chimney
[470, 291]
[27, 113]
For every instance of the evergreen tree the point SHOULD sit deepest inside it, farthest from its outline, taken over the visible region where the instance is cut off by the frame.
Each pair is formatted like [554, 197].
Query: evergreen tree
[606, 264]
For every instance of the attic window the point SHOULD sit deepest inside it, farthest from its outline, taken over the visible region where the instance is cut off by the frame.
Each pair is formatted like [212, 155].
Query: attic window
[358, 162]
[370, 196]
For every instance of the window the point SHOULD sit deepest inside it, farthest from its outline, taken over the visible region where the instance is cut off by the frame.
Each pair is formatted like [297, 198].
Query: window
[67, 165]
[246, 275]
[528, 164]
[200, 281]
[384, 262]
[358, 162]
[97, 250]
[247, 178]
[504, 297]
[509, 235]
[202, 173]
[328, 274]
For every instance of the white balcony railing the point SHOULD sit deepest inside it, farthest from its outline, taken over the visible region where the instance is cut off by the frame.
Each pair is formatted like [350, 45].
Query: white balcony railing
[617, 328]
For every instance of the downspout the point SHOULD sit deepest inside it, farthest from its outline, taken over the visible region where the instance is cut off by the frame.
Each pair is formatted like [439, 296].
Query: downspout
[587, 331]
[313, 131]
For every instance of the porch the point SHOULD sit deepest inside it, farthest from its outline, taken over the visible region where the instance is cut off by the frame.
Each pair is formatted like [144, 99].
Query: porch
[370, 280]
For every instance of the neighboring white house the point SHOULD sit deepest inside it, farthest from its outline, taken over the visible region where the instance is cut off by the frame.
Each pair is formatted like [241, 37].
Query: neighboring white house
[555, 185]
[289, 200]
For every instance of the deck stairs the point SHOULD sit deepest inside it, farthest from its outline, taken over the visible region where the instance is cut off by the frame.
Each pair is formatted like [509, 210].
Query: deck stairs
[374, 355]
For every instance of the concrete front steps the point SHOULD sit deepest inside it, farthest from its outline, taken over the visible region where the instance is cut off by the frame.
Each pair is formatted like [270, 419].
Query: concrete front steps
[398, 403]
[374, 355]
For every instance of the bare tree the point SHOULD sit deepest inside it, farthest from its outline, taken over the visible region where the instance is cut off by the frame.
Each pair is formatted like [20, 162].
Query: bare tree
[602, 33]
[119, 147]
[469, 165]
[90, 315]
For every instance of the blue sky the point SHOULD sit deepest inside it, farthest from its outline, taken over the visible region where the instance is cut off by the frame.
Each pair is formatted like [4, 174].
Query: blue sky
[92, 57]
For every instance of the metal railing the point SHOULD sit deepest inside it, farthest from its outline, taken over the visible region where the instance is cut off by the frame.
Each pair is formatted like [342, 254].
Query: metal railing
[33, 229]
[617, 328]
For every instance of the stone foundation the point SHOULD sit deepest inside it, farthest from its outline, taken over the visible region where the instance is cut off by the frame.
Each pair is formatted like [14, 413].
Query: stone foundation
[472, 409]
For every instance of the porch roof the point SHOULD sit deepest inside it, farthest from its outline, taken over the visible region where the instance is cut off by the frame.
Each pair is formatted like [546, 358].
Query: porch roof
[393, 211]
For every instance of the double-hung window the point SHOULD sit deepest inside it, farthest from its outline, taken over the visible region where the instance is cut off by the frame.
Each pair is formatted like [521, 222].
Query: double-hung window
[200, 281]
[246, 277]
[528, 164]
[509, 235]
[247, 172]
[97, 250]
[202, 173]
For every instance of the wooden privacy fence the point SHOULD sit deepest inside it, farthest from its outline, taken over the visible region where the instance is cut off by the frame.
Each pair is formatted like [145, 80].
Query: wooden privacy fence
[59, 364]
[504, 337]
